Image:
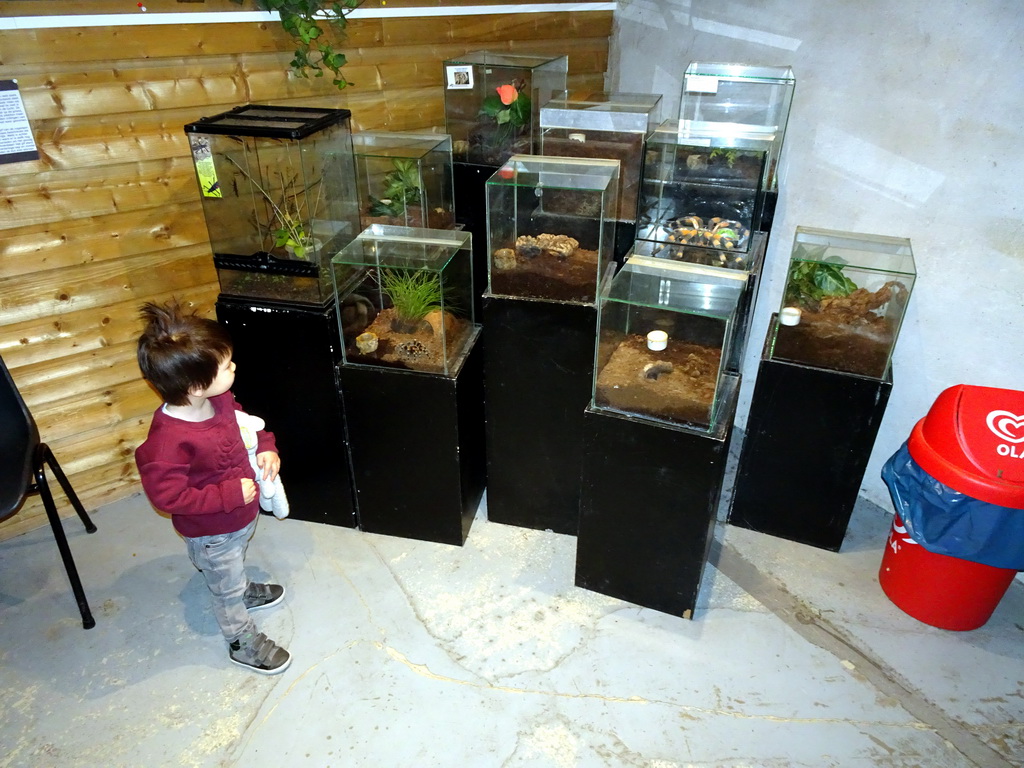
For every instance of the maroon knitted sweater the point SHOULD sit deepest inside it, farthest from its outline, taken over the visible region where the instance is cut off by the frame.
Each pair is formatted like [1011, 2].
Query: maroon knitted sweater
[193, 470]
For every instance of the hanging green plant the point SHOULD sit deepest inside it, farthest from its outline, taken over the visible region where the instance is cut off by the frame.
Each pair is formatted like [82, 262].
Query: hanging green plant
[305, 20]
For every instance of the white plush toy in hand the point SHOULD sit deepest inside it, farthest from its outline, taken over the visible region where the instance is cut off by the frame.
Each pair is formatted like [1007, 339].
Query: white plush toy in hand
[272, 497]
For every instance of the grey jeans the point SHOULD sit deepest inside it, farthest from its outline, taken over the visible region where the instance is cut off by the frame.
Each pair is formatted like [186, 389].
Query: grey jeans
[221, 559]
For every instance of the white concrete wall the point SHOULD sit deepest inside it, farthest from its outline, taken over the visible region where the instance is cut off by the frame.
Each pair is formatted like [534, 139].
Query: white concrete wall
[907, 120]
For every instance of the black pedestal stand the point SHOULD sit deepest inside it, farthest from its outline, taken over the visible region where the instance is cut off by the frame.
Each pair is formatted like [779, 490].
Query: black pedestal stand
[286, 355]
[809, 435]
[417, 449]
[539, 362]
[649, 500]
[625, 236]
[470, 191]
[747, 304]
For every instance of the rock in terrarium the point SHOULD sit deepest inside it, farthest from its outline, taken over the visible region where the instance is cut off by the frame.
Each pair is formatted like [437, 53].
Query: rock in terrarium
[549, 266]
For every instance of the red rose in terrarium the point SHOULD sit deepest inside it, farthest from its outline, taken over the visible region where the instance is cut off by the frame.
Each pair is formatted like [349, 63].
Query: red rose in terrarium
[507, 94]
[509, 107]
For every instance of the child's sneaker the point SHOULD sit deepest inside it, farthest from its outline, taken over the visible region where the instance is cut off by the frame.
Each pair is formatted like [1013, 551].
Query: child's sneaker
[259, 653]
[259, 596]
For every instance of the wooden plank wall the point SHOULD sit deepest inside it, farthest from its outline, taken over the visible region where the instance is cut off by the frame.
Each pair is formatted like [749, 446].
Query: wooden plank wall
[110, 217]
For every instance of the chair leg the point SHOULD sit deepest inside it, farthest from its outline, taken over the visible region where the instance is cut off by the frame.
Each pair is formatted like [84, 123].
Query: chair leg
[51, 461]
[88, 622]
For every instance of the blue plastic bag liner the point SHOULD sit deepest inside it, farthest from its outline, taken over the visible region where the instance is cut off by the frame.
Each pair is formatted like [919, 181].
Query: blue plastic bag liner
[951, 523]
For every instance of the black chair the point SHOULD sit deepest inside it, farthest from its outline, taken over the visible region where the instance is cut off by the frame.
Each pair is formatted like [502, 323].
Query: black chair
[22, 472]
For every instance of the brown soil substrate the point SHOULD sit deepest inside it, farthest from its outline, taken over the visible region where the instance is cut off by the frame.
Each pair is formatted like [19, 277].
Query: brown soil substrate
[745, 170]
[486, 148]
[549, 276]
[258, 285]
[627, 148]
[824, 340]
[685, 394]
[437, 219]
[427, 350]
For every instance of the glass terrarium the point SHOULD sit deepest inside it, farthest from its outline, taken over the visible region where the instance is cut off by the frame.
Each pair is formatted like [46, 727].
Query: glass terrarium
[405, 179]
[405, 298]
[279, 197]
[605, 125]
[844, 301]
[722, 266]
[551, 227]
[663, 339]
[701, 195]
[492, 102]
[742, 99]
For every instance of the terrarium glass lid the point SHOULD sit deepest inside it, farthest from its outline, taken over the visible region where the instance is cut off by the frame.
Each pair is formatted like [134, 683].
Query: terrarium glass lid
[694, 133]
[382, 245]
[538, 171]
[641, 101]
[607, 115]
[405, 145]
[879, 253]
[657, 287]
[741, 72]
[492, 58]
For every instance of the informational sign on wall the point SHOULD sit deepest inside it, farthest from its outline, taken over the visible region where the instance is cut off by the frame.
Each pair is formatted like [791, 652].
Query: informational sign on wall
[16, 141]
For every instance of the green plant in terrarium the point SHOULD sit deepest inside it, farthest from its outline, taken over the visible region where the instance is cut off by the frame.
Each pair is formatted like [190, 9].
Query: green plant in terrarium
[289, 210]
[401, 189]
[510, 109]
[414, 294]
[729, 155]
[810, 281]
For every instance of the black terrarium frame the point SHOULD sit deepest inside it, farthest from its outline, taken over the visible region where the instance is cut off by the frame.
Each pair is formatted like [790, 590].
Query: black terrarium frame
[284, 203]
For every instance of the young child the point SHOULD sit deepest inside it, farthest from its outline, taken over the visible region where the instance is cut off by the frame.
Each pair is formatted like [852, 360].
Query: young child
[195, 467]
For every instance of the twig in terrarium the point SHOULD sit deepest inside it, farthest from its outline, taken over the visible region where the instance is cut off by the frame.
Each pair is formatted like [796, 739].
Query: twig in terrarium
[290, 233]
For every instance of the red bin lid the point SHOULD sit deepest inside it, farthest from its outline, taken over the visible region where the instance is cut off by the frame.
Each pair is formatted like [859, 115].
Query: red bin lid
[973, 441]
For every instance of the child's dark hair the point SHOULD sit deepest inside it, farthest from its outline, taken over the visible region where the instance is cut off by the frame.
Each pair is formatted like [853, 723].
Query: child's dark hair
[180, 351]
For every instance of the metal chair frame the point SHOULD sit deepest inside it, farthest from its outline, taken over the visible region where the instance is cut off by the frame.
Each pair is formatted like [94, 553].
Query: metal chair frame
[35, 482]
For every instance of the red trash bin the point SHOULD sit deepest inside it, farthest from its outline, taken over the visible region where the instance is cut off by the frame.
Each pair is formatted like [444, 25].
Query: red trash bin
[971, 440]
[943, 591]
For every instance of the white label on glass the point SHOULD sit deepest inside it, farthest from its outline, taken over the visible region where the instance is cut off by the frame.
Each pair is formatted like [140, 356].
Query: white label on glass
[701, 84]
[459, 76]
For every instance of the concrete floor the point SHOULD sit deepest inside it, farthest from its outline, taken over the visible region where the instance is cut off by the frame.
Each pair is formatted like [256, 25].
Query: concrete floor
[416, 654]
